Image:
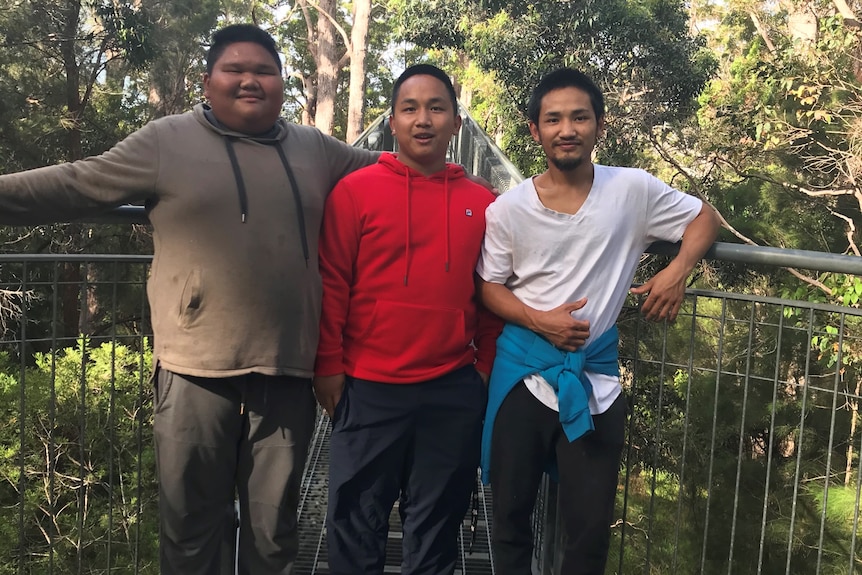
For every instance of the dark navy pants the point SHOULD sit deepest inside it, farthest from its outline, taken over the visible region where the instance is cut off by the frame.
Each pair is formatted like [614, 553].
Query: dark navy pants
[418, 442]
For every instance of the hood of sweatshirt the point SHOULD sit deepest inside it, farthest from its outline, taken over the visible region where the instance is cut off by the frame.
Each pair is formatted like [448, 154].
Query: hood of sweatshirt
[275, 137]
[450, 172]
[441, 179]
[204, 114]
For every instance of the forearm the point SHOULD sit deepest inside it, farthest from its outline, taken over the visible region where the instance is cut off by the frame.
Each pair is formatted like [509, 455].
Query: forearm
[699, 237]
[556, 325]
[488, 328]
[666, 290]
[125, 173]
[499, 300]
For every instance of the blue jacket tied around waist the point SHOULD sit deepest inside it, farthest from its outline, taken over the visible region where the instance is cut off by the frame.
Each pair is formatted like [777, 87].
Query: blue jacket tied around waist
[521, 352]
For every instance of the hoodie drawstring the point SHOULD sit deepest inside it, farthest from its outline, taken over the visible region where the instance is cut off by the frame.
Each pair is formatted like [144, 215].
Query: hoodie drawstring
[243, 196]
[407, 247]
[446, 203]
[300, 212]
[237, 174]
[446, 193]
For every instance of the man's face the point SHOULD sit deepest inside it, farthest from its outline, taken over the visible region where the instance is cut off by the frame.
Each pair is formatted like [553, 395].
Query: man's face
[423, 122]
[245, 88]
[567, 128]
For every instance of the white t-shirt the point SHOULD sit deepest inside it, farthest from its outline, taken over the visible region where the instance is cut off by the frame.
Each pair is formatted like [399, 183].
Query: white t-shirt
[547, 258]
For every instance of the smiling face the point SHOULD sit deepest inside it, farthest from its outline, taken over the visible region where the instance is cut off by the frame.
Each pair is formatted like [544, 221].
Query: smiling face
[245, 88]
[567, 128]
[423, 121]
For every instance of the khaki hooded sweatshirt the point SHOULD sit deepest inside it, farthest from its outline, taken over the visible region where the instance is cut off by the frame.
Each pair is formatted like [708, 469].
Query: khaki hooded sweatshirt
[234, 286]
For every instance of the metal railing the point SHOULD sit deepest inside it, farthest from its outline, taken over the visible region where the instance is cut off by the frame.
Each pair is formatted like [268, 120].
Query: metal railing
[77, 487]
[742, 455]
[743, 443]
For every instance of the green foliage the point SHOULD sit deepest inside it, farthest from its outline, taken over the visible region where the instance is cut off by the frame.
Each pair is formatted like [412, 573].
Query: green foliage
[640, 54]
[777, 128]
[79, 466]
[63, 71]
[735, 447]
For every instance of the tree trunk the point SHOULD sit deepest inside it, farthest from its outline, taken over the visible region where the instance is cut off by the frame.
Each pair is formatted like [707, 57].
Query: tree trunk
[853, 406]
[308, 113]
[327, 67]
[72, 15]
[167, 94]
[359, 48]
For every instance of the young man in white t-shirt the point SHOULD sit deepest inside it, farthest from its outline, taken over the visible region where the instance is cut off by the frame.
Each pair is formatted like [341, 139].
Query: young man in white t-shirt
[558, 259]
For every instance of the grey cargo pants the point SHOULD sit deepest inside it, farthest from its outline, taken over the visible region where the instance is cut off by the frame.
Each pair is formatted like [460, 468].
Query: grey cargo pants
[221, 438]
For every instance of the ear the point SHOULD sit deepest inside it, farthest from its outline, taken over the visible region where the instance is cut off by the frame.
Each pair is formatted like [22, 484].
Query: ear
[457, 125]
[534, 131]
[600, 127]
[206, 83]
[391, 118]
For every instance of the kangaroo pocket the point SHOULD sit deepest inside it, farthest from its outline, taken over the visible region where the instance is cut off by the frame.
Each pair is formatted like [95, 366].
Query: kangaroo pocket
[410, 339]
[190, 300]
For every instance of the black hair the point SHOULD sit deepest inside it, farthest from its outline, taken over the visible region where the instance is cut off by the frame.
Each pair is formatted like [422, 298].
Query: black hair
[240, 33]
[425, 70]
[565, 78]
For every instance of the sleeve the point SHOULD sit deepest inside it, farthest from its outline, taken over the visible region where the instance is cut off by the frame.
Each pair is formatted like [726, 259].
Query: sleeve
[344, 158]
[495, 263]
[339, 246]
[669, 211]
[488, 329]
[125, 173]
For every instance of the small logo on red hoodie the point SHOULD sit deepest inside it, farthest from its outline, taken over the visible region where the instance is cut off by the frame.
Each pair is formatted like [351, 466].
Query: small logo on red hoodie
[469, 212]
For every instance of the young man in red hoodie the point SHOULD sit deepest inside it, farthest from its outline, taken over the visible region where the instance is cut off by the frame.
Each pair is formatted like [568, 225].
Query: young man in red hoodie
[405, 350]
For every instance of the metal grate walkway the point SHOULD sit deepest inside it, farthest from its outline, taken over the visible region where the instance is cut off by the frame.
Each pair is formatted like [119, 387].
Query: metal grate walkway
[311, 559]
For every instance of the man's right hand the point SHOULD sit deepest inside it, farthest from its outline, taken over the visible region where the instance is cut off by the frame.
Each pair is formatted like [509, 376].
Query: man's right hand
[328, 390]
[560, 328]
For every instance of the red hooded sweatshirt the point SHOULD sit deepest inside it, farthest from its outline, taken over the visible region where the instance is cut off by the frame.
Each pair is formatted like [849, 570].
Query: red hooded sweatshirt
[397, 255]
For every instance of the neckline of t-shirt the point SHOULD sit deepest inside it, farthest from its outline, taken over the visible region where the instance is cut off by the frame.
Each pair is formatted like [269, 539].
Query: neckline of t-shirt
[562, 215]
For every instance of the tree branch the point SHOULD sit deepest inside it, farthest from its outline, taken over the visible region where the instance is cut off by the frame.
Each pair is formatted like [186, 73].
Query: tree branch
[345, 37]
[847, 13]
[762, 31]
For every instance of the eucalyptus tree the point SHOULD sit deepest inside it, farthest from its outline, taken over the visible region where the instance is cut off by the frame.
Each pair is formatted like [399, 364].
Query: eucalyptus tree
[334, 54]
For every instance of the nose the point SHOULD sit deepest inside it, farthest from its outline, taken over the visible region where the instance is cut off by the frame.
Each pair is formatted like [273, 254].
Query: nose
[567, 128]
[423, 117]
[248, 79]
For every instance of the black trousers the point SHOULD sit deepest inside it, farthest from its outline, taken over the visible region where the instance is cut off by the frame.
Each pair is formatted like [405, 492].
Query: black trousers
[418, 442]
[526, 435]
[217, 439]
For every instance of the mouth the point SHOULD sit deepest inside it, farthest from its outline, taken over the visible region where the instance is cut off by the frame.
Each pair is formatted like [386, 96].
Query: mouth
[423, 138]
[249, 97]
[567, 145]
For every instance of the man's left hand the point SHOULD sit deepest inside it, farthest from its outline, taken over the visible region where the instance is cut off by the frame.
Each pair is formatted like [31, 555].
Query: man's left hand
[664, 294]
[328, 390]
